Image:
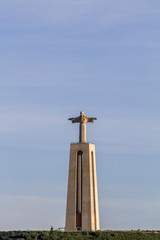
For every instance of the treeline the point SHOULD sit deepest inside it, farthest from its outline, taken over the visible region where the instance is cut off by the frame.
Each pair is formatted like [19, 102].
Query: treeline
[99, 235]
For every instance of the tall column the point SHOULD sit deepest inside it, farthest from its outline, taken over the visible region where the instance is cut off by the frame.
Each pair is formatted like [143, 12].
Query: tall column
[82, 132]
[72, 191]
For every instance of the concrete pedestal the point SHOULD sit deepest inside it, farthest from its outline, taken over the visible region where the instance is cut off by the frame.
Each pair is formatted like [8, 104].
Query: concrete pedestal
[82, 198]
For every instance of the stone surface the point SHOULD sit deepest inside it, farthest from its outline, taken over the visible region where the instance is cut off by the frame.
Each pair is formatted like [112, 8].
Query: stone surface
[82, 198]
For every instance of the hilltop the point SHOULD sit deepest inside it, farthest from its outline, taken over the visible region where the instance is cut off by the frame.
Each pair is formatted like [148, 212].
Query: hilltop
[99, 235]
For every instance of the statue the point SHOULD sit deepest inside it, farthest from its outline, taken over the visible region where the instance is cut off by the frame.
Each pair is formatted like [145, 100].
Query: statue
[82, 119]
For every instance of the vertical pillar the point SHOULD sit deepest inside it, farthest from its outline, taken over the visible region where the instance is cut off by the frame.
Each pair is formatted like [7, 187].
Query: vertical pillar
[72, 192]
[90, 211]
[82, 132]
[95, 190]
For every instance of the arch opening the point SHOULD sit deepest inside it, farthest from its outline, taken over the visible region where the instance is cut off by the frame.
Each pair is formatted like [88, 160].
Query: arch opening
[79, 190]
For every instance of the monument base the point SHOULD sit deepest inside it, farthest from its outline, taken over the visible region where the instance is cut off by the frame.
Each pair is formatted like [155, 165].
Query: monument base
[82, 197]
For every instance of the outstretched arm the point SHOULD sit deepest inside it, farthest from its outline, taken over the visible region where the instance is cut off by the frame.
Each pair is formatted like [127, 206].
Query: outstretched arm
[75, 120]
[91, 119]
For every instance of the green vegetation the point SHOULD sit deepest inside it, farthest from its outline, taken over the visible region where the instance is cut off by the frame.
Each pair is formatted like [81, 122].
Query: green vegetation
[99, 235]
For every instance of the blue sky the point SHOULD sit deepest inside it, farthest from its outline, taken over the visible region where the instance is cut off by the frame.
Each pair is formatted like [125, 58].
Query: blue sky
[56, 59]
